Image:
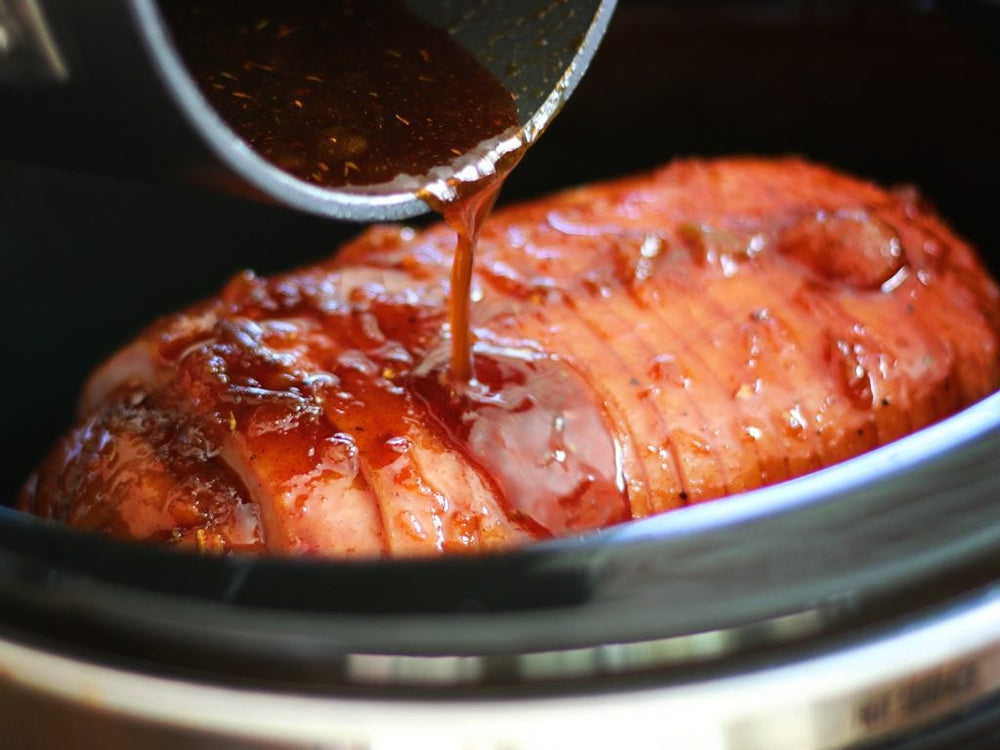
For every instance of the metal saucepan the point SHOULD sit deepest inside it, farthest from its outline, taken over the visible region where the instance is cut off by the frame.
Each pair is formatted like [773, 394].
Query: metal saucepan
[104, 87]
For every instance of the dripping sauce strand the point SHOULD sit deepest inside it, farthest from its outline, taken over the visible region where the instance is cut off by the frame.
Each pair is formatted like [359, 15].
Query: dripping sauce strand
[466, 217]
[466, 214]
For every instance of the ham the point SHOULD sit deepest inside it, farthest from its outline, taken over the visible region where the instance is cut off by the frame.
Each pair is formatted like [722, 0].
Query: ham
[640, 345]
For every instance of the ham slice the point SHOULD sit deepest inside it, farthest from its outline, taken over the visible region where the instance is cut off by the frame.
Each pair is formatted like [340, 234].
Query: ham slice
[641, 345]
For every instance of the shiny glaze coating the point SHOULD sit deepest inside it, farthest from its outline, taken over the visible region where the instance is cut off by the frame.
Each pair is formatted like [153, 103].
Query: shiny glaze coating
[640, 345]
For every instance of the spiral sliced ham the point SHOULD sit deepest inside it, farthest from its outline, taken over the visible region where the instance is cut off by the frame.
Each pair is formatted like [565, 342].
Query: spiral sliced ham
[641, 345]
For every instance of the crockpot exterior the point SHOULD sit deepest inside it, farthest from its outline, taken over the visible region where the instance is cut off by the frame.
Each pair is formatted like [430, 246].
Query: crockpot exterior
[858, 604]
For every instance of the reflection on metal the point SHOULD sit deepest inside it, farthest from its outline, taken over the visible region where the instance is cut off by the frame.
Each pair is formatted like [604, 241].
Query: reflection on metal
[382, 669]
[28, 51]
[405, 670]
[863, 692]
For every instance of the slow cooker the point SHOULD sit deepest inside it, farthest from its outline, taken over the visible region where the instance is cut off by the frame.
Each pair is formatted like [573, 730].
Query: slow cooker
[855, 607]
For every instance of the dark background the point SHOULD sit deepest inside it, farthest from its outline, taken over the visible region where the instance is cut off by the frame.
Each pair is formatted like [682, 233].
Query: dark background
[902, 92]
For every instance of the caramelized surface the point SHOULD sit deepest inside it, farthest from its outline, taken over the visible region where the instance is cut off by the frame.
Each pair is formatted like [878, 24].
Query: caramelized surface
[640, 345]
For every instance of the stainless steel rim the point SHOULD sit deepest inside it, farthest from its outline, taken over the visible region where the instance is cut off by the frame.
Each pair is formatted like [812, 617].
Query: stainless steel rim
[863, 692]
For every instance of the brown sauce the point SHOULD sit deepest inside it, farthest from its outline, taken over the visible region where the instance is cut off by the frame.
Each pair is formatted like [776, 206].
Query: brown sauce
[530, 423]
[536, 426]
[340, 93]
[466, 214]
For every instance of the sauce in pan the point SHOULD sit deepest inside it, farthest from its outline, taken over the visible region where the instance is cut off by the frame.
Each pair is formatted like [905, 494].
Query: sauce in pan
[340, 93]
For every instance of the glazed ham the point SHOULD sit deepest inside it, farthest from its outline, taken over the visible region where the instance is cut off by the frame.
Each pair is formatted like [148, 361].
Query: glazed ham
[641, 345]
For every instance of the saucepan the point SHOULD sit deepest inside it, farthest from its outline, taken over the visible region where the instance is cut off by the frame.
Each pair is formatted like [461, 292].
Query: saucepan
[116, 71]
[860, 604]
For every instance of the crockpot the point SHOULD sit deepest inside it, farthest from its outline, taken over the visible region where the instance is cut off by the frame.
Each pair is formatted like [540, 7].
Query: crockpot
[857, 606]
